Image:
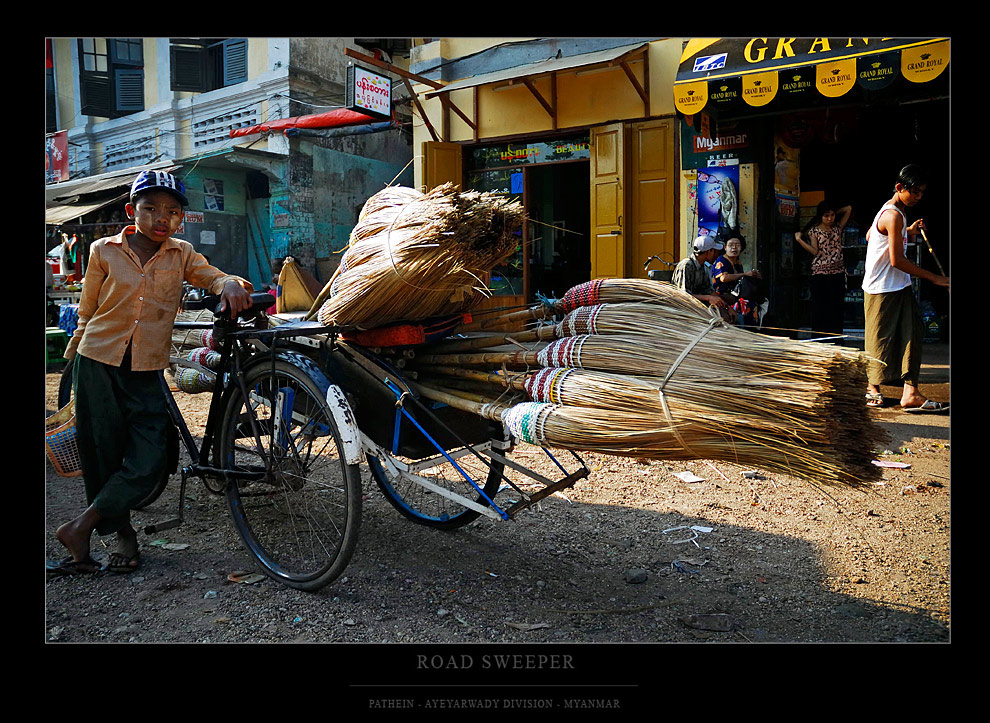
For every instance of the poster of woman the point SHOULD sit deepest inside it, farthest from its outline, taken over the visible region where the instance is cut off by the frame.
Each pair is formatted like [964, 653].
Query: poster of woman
[718, 199]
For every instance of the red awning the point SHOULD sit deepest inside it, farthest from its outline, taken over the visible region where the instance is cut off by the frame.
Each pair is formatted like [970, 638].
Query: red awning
[330, 119]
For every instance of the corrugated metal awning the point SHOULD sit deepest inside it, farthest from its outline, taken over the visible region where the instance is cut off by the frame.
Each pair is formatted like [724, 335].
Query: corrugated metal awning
[57, 215]
[543, 67]
[60, 192]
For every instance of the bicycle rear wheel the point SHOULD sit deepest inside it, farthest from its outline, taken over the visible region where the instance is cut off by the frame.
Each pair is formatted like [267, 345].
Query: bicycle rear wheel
[300, 519]
[427, 507]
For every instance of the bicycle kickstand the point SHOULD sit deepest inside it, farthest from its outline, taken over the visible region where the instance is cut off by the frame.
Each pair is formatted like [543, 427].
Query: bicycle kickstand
[169, 524]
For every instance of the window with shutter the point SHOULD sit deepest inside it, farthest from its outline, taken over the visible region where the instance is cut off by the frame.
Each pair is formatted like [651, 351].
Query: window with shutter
[188, 66]
[234, 61]
[95, 91]
[111, 78]
[203, 64]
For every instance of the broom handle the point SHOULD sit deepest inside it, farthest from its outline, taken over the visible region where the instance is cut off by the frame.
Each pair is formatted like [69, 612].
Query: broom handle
[515, 382]
[535, 312]
[489, 410]
[932, 252]
[517, 357]
[491, 340]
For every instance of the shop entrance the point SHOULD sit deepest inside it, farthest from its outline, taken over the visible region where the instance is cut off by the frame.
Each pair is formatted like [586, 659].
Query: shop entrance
[852, 156]
[558, 226]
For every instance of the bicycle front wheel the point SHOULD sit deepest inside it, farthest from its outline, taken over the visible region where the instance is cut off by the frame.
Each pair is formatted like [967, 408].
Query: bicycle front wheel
[300, 519]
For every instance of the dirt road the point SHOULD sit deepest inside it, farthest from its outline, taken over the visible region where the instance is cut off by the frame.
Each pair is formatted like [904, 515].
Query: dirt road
[609, 561]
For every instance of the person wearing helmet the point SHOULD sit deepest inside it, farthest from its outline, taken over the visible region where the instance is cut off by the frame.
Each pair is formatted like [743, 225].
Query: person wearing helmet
[131, 294]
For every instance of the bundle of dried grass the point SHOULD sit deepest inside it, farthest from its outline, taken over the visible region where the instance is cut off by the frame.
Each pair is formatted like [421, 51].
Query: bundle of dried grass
[602, 291]
[416, 255]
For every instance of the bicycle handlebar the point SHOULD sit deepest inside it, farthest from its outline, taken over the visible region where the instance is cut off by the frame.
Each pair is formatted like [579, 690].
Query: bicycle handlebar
[259, 302]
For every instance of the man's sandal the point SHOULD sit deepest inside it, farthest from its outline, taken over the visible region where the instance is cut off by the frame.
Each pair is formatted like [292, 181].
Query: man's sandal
[874, 400]
[929, 407]
[122, 564]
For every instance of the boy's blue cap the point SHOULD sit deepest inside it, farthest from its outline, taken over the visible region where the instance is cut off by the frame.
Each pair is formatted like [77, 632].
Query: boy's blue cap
[152, 180]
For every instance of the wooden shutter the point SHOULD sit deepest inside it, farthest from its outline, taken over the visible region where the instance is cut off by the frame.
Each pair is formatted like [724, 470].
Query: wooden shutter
[235, 60]
[442, 163]
[607, 201]
[129, 89]
[188, 67]
[96, 95]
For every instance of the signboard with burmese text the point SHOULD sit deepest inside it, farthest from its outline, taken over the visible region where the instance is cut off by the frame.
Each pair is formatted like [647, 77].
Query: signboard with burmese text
[368, 92]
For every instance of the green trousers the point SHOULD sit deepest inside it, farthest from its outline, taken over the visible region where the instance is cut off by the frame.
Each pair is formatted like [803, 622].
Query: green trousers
[894, 336]
[123, 427]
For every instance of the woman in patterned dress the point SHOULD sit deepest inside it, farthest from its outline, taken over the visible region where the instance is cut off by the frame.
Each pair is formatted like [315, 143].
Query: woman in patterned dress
[828, 269]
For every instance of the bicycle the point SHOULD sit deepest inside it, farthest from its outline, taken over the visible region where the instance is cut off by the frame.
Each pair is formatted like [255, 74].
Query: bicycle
[294, 413]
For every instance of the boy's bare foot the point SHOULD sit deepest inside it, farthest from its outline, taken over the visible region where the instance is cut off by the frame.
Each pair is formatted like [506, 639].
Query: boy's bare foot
[75, 538]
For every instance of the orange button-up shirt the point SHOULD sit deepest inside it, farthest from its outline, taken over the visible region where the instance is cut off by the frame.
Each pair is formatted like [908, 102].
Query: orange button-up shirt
[124, 303]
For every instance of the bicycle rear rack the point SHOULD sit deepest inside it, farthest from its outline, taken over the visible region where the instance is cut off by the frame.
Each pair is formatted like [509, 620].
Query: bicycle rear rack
[479, 451]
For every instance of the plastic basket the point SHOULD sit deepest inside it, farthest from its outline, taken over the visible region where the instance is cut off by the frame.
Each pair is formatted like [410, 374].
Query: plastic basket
[61, 442]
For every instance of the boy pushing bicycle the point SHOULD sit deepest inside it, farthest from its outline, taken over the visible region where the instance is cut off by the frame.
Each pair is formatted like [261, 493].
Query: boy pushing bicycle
[131, 294]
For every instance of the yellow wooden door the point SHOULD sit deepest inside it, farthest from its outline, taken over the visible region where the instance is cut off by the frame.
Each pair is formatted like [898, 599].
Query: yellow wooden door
[607, 201]
[442, 163]
[651, 180]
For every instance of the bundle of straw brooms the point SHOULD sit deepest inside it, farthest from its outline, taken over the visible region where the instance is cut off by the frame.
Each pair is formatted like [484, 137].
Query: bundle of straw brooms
[637, 368]
[414, 256]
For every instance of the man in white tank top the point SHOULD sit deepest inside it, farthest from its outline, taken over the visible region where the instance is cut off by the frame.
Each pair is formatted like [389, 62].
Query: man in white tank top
[894, 331]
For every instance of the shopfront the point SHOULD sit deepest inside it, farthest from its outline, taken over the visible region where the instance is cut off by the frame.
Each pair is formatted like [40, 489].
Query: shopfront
[582, 136]
[785, 123]
[550, 178]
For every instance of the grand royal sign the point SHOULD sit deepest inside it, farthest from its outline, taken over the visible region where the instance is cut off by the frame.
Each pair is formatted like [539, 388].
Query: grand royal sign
[834, 65]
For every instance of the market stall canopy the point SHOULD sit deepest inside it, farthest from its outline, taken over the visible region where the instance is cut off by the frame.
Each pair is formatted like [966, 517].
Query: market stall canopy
[756, 70]
[64, 213]
[70, 200]
[523, 75]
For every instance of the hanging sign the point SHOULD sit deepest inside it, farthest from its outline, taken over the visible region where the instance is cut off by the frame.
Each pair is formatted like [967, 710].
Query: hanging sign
[797, 82]
[57, 157]
[759, 88]
[835, 79]
[368, 92]
[919, 65]
[690, 98]
[876, 72]
[725, 92]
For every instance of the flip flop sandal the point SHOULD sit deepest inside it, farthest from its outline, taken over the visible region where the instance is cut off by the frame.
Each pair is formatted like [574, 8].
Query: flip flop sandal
[120, 563]
[929, 407]
[68, 566]
[874, 400]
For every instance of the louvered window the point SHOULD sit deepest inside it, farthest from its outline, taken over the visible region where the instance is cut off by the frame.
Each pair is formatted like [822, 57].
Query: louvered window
[203, 64]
